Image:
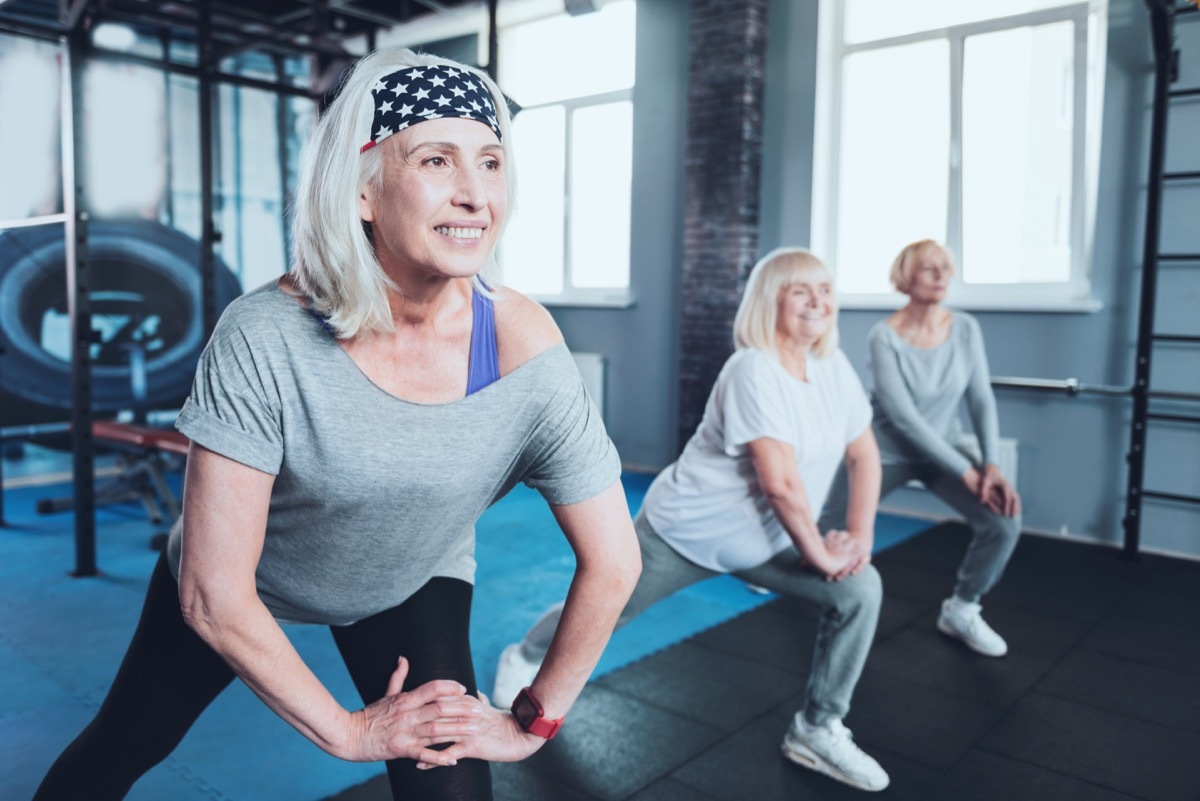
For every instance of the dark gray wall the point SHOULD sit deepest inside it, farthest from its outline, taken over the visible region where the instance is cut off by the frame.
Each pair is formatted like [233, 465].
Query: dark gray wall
[1072, 471]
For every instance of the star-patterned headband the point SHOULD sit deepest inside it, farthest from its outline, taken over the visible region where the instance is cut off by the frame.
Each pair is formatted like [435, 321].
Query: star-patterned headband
[417, 94]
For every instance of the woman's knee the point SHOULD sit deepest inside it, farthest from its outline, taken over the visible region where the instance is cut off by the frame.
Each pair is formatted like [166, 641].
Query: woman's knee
[861, 592]
[1000, 528]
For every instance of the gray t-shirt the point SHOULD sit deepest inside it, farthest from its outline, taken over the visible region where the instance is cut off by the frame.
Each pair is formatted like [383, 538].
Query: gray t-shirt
[375, 495]
[916, 394]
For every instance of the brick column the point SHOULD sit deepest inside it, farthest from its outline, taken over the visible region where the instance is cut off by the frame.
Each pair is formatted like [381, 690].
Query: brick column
[720, 229]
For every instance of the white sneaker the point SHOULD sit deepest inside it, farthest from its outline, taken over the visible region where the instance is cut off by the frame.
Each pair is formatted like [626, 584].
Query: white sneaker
[962, 621]
[831, 750]
[513, 673]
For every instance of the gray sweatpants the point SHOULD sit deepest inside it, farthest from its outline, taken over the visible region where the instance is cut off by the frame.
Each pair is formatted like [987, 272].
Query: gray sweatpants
[993, 536]
[849, 612]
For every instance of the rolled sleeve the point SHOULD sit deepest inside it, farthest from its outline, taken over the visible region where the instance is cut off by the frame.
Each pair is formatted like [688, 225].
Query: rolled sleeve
[232, 409]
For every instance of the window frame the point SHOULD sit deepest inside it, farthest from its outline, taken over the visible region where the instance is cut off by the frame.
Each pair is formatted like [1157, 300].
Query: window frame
[1074, 295]
[571, 295]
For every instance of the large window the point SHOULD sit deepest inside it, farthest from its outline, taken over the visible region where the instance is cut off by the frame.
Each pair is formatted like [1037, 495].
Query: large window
[976, 124]
[572, 76]
[141, 149]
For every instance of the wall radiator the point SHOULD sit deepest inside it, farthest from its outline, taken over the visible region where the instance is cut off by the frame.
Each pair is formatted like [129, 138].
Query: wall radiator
[591, 367]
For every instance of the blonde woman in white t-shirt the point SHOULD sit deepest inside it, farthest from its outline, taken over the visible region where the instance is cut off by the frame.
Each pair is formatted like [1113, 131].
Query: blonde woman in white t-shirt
[743, 498]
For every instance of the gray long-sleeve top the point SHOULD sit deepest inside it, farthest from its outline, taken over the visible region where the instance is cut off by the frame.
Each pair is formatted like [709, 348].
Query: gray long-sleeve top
[916, 391]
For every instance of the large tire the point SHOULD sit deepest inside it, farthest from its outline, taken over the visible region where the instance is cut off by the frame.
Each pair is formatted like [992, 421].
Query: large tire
[143, 270]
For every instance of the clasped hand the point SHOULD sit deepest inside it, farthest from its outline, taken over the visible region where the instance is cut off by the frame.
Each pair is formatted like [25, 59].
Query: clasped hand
[993, 490]
[408, 725]
[843, 556]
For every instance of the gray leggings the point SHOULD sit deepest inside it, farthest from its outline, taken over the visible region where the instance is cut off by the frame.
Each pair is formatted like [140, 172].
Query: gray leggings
[849, 612]
[993, 536]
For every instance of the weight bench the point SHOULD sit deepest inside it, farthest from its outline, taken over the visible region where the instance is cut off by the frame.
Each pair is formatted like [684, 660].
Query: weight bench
[144, 455]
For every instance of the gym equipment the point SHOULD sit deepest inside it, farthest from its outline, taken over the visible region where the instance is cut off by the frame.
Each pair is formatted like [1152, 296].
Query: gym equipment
[144, 455]
[145, 296]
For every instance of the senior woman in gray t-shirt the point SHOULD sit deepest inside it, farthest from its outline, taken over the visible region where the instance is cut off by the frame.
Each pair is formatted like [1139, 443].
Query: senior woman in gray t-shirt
[925, 360]
[349, 423]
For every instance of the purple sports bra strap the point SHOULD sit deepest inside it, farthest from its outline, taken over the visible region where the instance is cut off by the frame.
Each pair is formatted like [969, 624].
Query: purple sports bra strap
[483, 366]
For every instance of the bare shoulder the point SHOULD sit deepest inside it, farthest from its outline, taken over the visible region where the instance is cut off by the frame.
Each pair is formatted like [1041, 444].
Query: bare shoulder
[524, 329]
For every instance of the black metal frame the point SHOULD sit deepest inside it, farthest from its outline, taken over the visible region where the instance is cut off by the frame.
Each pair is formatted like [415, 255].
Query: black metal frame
[1162, 24]
[76, 17]
[78, 298]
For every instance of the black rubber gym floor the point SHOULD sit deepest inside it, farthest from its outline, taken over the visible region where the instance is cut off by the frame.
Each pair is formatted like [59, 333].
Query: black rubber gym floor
[1097, 700]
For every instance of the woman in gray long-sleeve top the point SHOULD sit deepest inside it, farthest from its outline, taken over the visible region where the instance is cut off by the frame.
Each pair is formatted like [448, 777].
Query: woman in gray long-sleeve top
[924, 361]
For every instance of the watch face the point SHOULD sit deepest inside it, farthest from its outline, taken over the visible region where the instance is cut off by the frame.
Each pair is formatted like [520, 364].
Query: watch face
[525, 710]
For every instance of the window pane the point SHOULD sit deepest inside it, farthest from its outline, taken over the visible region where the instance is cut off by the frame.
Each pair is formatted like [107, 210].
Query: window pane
[532, 253]
[893, 164]
[124, 116]
[564, 56]
[29, 150]
[601, 182]
[1017, 136]
[867, 20]
[253, 206]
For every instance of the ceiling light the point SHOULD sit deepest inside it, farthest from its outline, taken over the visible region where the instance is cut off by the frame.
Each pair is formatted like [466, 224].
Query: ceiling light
[113, 37]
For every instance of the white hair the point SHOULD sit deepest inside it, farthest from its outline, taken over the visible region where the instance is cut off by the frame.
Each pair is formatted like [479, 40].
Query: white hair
[754, 325]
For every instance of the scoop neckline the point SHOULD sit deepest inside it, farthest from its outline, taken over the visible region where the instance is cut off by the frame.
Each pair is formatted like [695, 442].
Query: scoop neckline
[331, 341]
[918, 348]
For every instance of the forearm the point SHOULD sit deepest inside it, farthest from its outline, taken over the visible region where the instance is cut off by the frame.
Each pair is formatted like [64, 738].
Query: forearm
[793, 513]
[246, 636]
[865, 476]
[981, 401]
[607, 565]
[593, 605]
[923, 440]
[982, 410]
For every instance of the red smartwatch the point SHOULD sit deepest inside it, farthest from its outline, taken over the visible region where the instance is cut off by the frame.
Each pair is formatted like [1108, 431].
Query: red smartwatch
[531, 717]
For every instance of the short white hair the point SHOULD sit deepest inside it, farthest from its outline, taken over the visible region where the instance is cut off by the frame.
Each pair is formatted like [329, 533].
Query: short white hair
[333, 259]
[758, 313]
[901, 272]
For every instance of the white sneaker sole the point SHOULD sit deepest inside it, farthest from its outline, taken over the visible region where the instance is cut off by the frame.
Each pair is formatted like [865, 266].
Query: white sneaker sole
[945, 628]
[809, 759]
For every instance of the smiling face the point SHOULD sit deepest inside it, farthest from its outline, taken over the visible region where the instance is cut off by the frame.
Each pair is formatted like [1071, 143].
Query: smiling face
[929, 275]
[806, 308]
[439, 205]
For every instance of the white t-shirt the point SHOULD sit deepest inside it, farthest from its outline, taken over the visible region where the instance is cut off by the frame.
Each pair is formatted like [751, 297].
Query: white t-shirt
[708, 505]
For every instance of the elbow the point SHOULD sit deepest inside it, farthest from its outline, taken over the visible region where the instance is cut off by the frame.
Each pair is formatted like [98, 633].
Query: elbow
[777, 492]
[201, 612]
[623, 569]
[196, 615]
[631, 572]
[627, 569]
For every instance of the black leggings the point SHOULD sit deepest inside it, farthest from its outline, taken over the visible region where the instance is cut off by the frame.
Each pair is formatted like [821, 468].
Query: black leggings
[169, 676]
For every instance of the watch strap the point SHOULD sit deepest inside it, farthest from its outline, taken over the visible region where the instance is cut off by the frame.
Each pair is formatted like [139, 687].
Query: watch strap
[531, 716]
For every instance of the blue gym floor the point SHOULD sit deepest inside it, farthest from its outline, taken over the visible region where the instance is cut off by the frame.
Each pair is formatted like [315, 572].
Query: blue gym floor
[61, 639]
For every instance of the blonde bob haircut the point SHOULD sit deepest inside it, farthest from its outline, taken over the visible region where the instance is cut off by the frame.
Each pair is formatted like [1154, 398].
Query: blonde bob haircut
[901, 274]
[333, 260]
[758, 313]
